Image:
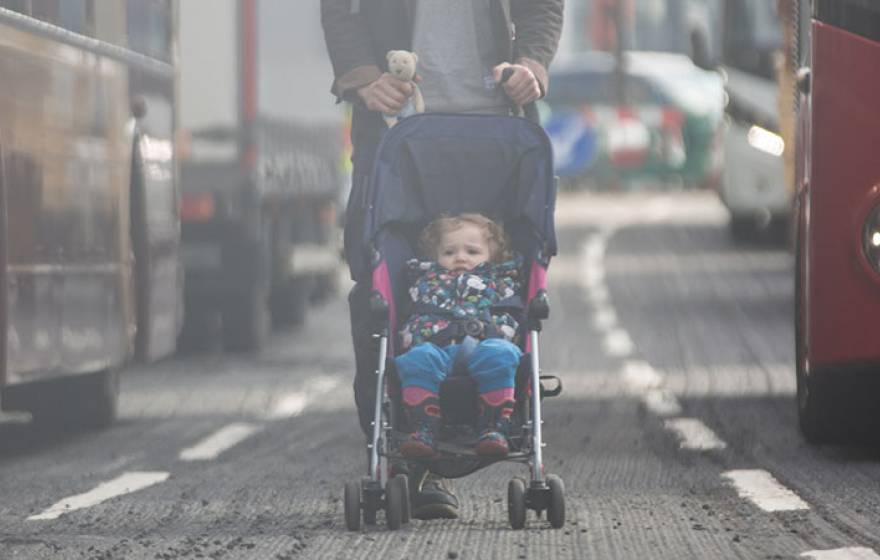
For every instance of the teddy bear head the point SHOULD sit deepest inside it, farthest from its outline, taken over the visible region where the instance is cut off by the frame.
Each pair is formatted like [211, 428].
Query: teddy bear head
[402, 64]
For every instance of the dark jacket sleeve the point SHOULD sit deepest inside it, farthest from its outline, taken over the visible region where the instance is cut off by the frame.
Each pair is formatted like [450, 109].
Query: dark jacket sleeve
[349, 47]
[538, 26]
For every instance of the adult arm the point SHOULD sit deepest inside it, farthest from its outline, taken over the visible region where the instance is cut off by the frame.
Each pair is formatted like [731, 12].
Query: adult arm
[538, 25]
[350, 48]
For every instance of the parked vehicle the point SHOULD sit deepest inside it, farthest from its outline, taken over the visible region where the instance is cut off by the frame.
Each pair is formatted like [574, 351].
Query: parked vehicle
[754, 186]
[837, 287]
[89, 219]
[648, 116]
[260, 170]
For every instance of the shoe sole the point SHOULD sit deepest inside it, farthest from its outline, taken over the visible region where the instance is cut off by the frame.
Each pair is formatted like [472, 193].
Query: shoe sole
[491, 449]
[435, 511]
[414, 450]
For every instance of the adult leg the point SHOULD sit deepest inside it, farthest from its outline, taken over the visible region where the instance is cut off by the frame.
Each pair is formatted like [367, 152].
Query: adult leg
[493, 366]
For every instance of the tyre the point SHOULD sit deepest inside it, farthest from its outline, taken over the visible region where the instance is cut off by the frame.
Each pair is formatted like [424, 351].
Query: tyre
[403, 481]
[556, 509]
[353, 506]
[395, 498]
[246, 321]
[516, 503]
[77, 402]
[289, 302]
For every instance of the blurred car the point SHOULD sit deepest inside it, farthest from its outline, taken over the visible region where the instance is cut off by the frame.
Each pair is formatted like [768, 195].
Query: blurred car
[669, 130]
[837, 211]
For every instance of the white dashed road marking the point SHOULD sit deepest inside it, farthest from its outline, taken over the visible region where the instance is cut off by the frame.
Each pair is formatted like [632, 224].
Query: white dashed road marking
[662, 402]
[219, 441]
[760, 488]
[124, 484]
[694, 435]
[618, 343]
[855, 553]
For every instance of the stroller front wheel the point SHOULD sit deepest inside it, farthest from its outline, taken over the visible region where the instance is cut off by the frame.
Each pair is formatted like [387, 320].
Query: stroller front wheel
[556, 508]
[353, 506]
[516, 503]
[397, 502]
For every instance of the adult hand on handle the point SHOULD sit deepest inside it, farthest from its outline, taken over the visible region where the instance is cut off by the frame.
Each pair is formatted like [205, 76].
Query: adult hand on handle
[522, 87]
[387, 94]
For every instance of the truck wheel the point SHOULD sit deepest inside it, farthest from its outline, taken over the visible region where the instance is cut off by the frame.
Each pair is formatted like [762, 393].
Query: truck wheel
[78, 402]
[246, 321]
[290, 302]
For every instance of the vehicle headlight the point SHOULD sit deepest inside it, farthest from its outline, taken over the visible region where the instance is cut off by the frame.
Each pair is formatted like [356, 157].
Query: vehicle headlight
[766, 141]
[871, 238]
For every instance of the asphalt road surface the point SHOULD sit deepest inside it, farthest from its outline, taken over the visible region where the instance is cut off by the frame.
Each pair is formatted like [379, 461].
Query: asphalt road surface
[676, 434]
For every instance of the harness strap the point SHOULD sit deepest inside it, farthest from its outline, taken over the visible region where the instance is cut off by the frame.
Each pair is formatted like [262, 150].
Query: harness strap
[462, 356]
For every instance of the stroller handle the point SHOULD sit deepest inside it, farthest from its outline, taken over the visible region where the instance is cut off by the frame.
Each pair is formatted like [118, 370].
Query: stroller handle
[529, 110]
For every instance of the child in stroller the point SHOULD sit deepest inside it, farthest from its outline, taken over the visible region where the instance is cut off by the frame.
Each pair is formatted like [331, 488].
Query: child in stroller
[428, 166]
[459, 318]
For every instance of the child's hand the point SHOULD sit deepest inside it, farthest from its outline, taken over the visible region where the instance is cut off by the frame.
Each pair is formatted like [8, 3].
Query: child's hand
[522, 87]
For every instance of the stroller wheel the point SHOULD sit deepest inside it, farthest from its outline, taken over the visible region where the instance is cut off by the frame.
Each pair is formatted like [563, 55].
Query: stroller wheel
[407, 507]
[353, 506]
[516, 503]
[556, 508]
[396, 502]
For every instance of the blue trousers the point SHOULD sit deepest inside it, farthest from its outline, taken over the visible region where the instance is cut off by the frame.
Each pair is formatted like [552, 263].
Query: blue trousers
[492, 365]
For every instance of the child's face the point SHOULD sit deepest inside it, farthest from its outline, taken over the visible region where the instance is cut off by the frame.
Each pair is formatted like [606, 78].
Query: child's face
[463, 248]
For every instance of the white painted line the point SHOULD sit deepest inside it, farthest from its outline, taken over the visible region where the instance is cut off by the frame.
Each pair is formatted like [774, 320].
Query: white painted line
[764, 491]
[694, 435]
[124, 484]
[598, 295]
[662, 402]
[853, 553]
[292, 404]
[288, 406]
[605, 318]
[618, 343]
[639, 376]
[218, 442]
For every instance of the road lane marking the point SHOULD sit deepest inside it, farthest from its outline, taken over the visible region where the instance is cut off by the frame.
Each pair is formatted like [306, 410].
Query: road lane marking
[853, 553]
[218, 442]
[661, 402]
[617, 343]
[604, 318]
[293, 403]
[760, 488]
[126, 483]
[694, 435]
[639, 376]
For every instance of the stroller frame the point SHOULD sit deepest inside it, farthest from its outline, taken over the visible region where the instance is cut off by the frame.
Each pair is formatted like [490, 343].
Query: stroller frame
[383, 489]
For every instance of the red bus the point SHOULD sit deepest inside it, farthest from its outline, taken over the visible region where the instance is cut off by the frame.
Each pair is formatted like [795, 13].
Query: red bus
[837, 288]
[90, 220]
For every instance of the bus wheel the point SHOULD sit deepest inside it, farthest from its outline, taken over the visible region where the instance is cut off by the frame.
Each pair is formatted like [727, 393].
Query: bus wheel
[246, 321]
[290, 302]
[81, 402]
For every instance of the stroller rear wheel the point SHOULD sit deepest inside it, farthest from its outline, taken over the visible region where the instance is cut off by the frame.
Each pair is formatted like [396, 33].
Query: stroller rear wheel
[397, 510]
[353, 506]
[516, 503]
[556, 507]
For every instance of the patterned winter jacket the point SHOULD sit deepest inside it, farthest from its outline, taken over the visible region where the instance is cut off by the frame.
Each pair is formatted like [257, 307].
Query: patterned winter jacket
[443, 301]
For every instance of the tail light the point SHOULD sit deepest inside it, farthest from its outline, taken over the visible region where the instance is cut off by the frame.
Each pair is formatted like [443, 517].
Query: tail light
[871, 238]
[197, 207]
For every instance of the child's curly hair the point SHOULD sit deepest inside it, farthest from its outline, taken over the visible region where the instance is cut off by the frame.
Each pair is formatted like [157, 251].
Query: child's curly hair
[429, 241]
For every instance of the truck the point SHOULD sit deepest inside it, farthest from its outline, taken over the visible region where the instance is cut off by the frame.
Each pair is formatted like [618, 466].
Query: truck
[260, 152]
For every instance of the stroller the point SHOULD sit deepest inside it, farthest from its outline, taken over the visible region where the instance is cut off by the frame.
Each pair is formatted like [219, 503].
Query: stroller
[433, 164]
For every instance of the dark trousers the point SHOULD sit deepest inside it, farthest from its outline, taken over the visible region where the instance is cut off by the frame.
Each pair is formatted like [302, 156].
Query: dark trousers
[366, 354]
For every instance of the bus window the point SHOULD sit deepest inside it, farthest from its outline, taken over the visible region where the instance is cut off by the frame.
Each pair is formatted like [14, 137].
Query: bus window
[149, 28]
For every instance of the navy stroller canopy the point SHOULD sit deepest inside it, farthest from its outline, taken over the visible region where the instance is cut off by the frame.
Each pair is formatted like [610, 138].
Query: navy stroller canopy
[433, 164]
